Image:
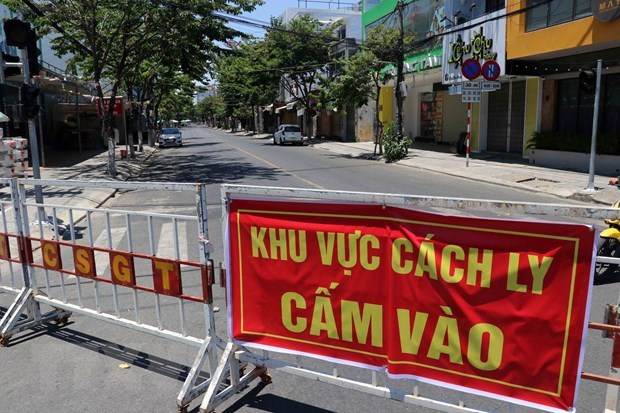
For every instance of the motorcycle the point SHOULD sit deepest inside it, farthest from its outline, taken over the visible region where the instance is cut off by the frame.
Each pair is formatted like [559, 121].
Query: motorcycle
[610, 247]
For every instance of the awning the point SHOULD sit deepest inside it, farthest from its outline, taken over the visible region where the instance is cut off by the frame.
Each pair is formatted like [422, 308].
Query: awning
[268, 108]
[281, 108]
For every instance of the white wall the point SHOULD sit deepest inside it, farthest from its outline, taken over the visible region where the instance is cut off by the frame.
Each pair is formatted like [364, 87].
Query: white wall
[422, 83]
[352, 19]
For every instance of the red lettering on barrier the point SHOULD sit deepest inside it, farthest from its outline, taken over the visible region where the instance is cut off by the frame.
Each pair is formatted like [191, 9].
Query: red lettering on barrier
[167, 277]
[122, 269]
[51, 255]
[5, 253]
[84, 261]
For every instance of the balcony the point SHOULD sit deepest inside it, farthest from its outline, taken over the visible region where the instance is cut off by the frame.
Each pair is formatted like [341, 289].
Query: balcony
[344, 48]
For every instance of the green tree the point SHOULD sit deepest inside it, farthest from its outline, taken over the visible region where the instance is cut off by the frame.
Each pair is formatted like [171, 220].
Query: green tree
[210, 110]
[301, 51]
[247, 80]
[363, 74]
[177, 101]
[109, 38]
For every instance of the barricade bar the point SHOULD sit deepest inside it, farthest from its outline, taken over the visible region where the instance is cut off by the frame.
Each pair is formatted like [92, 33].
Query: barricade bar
[600, 379]
[604, 327]
[53, 251]
[145, 328]
[114, 211]
[114, 185]
[468, 204]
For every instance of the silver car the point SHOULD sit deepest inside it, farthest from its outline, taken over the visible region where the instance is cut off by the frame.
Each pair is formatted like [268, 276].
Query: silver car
[170, 137]
[288, 134]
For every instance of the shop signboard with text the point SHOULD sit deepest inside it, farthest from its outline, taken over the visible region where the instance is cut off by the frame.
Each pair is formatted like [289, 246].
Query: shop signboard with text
[118, 108]
[494, 307]
[482, 40]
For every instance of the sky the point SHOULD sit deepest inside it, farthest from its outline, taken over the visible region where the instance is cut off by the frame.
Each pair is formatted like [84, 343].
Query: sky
[276, 8]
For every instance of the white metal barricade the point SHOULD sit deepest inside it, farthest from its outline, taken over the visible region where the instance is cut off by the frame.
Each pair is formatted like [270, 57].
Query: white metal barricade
[24, 312]
[375, 383]
[91, 261]
[11, 271]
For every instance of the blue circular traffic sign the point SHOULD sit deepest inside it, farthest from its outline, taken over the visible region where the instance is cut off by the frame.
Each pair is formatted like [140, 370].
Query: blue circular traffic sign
[491, 70]
[471, 69]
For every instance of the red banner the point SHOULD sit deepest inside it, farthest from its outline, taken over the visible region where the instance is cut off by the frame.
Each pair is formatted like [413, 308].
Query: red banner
[118, 109]
[494, 307]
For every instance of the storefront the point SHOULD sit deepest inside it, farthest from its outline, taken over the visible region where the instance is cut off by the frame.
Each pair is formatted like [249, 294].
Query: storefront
[431, 116]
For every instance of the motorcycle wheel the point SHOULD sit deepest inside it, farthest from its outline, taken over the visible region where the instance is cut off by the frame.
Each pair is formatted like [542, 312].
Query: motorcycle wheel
[610, 248]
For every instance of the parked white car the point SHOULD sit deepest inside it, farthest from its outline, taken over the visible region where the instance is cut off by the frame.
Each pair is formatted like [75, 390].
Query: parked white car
[288, 133]
[170, 137]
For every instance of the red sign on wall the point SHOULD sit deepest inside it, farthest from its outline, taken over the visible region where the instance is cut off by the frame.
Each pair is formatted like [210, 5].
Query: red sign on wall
[118, 105]
[493, 306]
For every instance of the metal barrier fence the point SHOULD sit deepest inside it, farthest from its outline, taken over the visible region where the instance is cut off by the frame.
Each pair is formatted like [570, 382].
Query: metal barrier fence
[11, 272]
[88, 261]
[376, 383]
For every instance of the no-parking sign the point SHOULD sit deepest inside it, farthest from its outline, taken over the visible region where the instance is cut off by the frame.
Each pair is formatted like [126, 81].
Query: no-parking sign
[471, 69]
[491, 70]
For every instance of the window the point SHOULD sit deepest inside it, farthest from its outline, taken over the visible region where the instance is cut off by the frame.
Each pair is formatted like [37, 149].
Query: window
[541, 14]
[575, 108]
[170, 130]
[493, 5]
[611, 105]
[342, 33]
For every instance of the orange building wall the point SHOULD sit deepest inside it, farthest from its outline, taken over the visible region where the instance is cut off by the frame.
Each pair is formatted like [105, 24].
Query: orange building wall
[583, 32]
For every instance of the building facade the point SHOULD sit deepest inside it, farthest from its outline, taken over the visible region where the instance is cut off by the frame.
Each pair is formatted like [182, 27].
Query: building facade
[68, 119]
[537, 50]
[326, 123]
[556, 46]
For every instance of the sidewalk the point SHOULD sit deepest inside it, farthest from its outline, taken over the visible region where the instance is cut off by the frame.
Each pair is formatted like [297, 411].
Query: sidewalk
[491, 168]
[91, 169]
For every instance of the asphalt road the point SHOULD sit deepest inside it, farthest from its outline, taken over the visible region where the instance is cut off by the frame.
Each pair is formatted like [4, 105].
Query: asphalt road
[76, 368]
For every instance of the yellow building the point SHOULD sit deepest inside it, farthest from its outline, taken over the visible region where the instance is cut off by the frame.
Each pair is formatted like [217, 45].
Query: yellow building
[557, 45]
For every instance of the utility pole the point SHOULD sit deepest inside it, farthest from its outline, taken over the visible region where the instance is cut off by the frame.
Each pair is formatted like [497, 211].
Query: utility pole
[19, 34]
[400, 62]
[597, 98]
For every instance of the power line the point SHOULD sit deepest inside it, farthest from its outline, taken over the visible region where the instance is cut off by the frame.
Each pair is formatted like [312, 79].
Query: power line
[36, 10]
[266, 26]
[465, 26]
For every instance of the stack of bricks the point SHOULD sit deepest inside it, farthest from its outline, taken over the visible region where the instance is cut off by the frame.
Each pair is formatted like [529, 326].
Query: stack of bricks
[14, 156]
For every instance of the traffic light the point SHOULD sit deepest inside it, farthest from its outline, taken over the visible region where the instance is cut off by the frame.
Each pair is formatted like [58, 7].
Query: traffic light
[17, 33]
[587, 80]
[33, 54]
[11, 70]
[22, 36]
[30, 101]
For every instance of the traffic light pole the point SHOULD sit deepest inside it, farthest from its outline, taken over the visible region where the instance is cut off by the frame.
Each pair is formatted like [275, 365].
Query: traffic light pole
[32, 139]
[597, 98]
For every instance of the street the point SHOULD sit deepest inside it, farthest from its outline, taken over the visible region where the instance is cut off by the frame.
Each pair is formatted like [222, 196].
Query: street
[76, 368]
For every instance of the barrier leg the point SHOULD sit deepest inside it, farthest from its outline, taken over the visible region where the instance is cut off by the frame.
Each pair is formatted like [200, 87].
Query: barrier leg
[189, 391]
[25, 305]
[228, 367]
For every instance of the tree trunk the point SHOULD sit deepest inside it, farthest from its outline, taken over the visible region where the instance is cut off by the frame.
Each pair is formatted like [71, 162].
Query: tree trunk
[377, 125]
[107, 133]
[309, 132]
